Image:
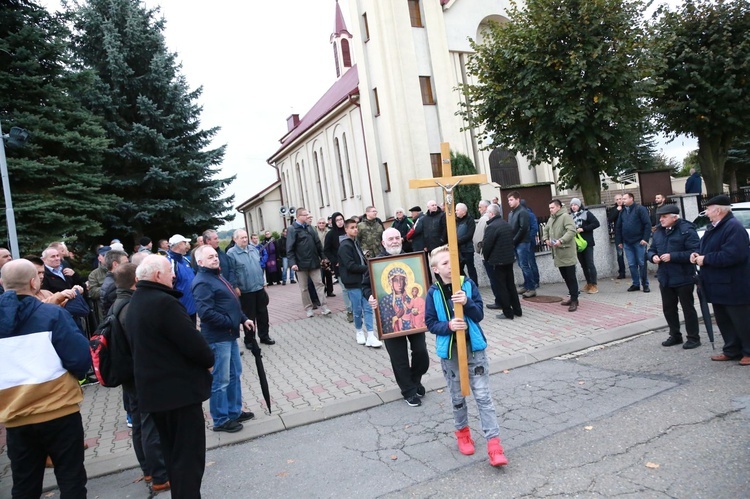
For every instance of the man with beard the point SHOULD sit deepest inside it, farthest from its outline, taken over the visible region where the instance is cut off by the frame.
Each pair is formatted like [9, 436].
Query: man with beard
[408, 377]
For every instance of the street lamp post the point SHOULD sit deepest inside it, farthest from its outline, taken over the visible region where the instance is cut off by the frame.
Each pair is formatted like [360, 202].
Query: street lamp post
[16, 138]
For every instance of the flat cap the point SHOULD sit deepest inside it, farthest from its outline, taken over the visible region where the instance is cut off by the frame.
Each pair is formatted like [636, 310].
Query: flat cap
[721, 200]
[668, 209]
[415, 208]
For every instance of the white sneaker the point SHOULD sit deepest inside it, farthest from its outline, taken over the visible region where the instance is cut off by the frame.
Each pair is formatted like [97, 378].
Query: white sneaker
[372, 340]
[361, 338]
[310, 313]
[325, 310]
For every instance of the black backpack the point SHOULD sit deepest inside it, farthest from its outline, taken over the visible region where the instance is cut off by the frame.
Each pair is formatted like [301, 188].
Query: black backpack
[110, 351]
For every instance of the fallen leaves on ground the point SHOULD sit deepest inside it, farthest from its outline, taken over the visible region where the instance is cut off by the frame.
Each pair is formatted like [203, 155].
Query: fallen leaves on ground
[651, 465]
[588, 428]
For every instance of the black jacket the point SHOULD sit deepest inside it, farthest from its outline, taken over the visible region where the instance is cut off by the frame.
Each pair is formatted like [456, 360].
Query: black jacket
[331, 244]
[55, 283]
[497, 245]
[417, 238]
[108, 293]
[519, 222]
[465, 228]
[170, 357]
[352, 263]
[303, 247]
[435, 232]
[588, 224]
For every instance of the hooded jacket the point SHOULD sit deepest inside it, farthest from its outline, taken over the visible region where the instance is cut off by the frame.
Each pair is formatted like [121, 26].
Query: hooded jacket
[331, 244]
[42, 354]
[352, 263]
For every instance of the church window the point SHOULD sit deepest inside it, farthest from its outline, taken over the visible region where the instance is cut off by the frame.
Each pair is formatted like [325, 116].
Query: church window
[301, 184]
[346, 55]
[325, 179]
[339, 166]
[366, 27]
[336, 60]
[316, 167]
[437, 164]
[260, 218]
[251, 222]
[504, 167]
[425, 84]
[414, 14]
[387, 178]
[376, 101]
[348, 165]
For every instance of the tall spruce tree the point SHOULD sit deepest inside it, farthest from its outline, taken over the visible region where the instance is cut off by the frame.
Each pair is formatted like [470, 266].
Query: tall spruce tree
[56, 178]
[159, 162]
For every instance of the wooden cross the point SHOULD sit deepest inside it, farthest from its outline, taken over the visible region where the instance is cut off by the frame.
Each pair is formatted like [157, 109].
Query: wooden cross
[448, 182]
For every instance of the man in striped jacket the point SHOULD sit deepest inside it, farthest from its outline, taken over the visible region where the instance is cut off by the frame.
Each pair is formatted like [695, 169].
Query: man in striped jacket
[43, 354]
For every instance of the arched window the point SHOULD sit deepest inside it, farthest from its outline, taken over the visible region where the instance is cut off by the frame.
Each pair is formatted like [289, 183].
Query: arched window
[339, 166]
[252, 222]
[316, 166]
[261, 223]
[336, 59]
[346, 56]
[301, 185]
[348, 165]
[325, 180]
[504, 167]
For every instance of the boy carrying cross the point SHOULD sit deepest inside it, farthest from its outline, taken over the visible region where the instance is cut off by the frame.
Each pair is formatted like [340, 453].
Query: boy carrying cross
[441, 321]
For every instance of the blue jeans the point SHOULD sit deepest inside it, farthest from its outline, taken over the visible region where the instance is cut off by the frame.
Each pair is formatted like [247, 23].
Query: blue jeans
[479, 380]
[636, 255]
[360, 307]
[347, 301]
[226, 393]
[524, 256]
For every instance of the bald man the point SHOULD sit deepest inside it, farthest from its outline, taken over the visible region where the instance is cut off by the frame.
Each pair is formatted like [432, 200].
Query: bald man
[40, 392]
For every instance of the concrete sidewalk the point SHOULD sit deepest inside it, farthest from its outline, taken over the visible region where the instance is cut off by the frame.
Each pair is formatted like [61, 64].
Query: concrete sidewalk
[317, 371]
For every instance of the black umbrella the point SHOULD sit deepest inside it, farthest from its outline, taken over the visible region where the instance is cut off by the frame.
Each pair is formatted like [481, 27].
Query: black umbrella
[705, 310]
[255, 349]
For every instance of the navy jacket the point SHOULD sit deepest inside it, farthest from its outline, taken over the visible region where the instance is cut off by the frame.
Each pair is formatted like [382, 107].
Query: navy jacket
[633, 225]
[679, 242]
[218, 306]
[694, 185]
[465, 228]
[183, 279]
[725, 274]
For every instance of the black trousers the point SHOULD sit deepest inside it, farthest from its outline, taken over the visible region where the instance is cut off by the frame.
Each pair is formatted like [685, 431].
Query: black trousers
[466, 261]
[493, 280]
[183, 441]
[146, 442]
[569, 276]
[28, 448]
[506, 287]
[255, 306]
[733, 324]
[586, 259]
[327, 277]
[670, 296]
[408, 377]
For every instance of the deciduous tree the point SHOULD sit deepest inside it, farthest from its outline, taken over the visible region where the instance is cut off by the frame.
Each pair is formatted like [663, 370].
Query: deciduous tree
[701, 52]
[561, 82]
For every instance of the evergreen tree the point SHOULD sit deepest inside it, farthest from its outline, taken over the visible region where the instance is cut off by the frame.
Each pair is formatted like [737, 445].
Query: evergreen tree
[56, 178]
[737, 168]
[159, 162]
[470, 195]
[561, 83]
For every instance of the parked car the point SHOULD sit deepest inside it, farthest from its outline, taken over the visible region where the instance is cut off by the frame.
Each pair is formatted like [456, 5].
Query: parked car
[741, 212]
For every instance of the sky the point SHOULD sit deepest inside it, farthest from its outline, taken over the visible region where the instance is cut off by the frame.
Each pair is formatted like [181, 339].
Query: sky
[258, 63]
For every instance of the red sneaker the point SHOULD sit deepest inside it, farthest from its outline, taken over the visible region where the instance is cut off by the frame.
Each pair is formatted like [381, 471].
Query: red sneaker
[495, 451]
[465, 443]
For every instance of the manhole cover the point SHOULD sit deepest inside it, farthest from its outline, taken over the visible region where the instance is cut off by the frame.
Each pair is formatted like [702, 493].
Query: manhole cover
[544, 299]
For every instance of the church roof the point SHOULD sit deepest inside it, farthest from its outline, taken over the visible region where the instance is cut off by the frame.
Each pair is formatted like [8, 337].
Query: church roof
[339, 92]
[340, 26]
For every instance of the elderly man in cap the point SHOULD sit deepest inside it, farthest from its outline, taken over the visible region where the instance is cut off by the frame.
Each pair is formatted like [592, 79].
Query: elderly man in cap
[724, 261]
[184, 275]
[672, 243]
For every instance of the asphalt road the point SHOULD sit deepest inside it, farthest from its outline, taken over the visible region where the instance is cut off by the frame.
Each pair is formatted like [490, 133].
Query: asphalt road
[631, 419]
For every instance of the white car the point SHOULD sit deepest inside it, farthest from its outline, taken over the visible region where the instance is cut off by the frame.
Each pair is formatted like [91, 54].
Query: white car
[741, 212]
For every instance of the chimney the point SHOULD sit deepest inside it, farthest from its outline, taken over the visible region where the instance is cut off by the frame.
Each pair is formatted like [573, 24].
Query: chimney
[292, 122]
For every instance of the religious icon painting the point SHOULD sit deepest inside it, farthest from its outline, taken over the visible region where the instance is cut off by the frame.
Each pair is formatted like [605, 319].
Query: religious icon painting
[399, 284]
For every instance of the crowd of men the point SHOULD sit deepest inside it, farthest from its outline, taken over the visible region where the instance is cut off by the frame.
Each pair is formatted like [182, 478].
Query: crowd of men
[183, 313]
